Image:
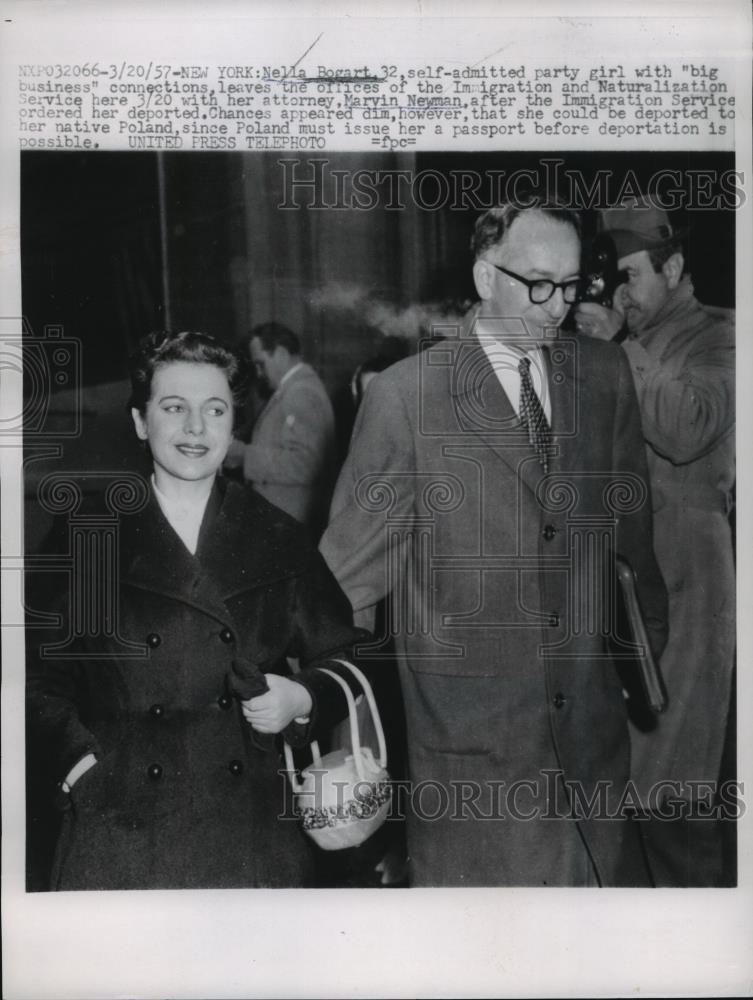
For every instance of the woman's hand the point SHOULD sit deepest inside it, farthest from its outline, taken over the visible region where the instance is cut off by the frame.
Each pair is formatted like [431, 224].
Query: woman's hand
[272, 711]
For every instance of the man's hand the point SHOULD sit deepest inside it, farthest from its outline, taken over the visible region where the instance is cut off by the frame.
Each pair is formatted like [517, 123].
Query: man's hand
[272, 711]
[599, 321]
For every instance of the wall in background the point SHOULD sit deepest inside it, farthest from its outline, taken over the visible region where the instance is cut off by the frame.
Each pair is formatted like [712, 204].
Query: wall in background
[117, 244]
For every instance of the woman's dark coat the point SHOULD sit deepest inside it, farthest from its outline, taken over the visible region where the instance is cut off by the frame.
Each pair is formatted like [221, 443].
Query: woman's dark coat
[185, 794]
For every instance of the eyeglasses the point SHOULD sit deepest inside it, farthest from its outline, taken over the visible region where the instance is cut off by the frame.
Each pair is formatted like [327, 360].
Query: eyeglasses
[540, 290]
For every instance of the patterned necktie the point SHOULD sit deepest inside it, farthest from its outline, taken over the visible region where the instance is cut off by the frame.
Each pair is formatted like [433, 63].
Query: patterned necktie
[533, 417]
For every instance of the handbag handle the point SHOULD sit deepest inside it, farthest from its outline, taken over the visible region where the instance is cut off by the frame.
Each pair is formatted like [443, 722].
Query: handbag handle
[290, 764]
[354, 733]
[371, 700]
[354, 737]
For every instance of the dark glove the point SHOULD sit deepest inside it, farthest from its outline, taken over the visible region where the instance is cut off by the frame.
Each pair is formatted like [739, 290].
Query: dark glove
[245, 680]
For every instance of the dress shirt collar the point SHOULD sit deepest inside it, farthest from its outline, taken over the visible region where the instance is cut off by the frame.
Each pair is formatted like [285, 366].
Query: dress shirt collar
[504, 359]
[289, 373]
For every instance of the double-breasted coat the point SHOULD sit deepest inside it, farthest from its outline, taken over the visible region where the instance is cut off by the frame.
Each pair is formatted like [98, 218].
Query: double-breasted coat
[500, 578]
[184, 792]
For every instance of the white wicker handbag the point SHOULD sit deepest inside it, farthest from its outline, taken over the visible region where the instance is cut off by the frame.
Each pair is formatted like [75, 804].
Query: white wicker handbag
[344, 797]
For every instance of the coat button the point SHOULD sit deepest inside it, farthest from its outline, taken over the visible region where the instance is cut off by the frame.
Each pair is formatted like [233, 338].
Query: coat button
[554, 619]
[153, 640]
[559, 700]
[154, 772]
[226, 635]
[224, 701]
[157, 711]
[549, 532]
[235, 767]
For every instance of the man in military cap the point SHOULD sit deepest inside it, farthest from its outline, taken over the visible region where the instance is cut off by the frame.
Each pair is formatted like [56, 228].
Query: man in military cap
[682, 355]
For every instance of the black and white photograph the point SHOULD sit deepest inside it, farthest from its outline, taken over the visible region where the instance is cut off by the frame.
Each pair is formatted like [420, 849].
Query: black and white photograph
[377, 512]
[439, 497]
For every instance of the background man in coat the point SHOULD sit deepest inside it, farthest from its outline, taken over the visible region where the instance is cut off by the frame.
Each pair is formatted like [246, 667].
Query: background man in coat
[493, 526]
[682, 356]
[291, 457]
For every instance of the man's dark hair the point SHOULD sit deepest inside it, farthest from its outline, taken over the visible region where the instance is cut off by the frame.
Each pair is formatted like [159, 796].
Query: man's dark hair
[162, 348]
[273, 335]
[661, 255]
[491, 227]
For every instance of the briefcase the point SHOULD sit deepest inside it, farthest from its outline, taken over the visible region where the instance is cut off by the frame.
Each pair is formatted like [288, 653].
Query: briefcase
[638, 670]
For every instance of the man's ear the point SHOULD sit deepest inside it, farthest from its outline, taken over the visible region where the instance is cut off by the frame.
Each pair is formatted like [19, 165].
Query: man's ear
[139, 423]
[482, 278]
[672, 269]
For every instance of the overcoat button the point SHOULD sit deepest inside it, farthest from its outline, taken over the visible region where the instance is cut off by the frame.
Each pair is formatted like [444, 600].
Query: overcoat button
[153, 640]
[157, 711]
[559, 700]
[154, 772]
[225, 701]
[226, 635]
[549, 532]
[554, 619]
[235, 767]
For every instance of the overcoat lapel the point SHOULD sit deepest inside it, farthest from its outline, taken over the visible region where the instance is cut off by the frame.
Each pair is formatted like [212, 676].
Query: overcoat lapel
[259, 554]
[276, 400]
[482, 407]
[154, 558]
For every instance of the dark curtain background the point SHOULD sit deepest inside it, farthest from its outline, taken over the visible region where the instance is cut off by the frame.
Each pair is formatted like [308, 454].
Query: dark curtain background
[117, 244]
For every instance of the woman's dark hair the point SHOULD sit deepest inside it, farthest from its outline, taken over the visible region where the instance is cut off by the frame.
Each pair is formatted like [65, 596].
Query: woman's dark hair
[162, 348]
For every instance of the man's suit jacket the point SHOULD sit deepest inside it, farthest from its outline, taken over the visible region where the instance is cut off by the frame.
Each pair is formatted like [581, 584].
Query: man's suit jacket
[290, 460]
[501, 585]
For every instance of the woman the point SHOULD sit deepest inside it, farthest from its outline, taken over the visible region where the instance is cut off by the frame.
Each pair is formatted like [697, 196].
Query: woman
[165, 749]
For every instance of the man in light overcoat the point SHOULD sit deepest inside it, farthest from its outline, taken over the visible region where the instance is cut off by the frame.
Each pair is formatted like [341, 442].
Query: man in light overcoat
[290, 460]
